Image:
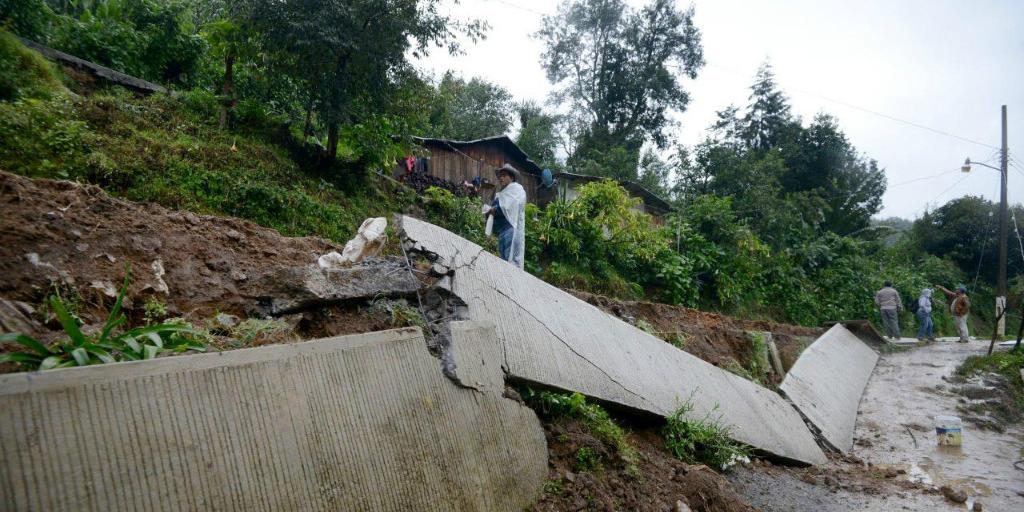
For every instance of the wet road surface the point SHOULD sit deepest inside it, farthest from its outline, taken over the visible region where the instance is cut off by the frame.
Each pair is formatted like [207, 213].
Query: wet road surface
[895, 425]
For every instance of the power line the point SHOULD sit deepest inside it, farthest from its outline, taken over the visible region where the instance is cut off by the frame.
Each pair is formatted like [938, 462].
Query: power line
[867, 110]
[520, 7]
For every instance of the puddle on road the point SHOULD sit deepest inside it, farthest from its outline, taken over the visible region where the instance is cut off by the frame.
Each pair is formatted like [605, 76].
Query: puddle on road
[903, 393]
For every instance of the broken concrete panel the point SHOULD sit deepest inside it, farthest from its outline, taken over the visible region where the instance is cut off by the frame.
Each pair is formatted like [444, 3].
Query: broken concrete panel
[289, 289]
[476, 354]
[827, 382]
[364, 422]
[555, 339]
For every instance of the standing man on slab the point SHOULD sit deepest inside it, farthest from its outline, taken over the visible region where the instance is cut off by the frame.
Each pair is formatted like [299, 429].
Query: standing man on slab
[889, 304]
[509, 212]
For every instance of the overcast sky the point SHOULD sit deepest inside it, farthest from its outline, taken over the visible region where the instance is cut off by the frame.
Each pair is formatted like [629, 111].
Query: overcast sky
[945, 65]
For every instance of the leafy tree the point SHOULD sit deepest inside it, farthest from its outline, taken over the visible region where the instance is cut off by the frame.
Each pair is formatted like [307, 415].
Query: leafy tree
[152, 40]
[346, 53]
[27, 18]
[767, 120]
[538, 134]
[618, 68]
[470, 110]
[966, 232]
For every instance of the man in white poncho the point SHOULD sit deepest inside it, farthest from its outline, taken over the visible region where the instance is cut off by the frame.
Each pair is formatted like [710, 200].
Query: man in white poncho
[508, 212]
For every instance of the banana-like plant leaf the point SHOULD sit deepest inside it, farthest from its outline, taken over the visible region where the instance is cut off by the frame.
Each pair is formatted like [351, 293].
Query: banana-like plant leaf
[112, 323]
[19, 357]
[116, 318]
[68, 323]
[150, 352]
[101, 354]
[81, 356]
[26, 341]
[50, 363]
[133, 345]
[156, 339]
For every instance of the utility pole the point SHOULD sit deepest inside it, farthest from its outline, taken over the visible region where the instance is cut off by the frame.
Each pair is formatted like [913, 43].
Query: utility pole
[1003, 221]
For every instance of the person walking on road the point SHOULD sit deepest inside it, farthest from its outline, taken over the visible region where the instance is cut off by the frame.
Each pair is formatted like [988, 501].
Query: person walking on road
[889, 304]
[959, 307]
[924, 316]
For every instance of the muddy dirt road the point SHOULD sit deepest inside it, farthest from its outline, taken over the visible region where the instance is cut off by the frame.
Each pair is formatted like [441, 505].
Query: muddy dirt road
[896, 426]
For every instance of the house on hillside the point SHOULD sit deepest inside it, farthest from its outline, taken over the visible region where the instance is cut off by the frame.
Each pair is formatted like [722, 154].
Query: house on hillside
[567, 185]
[458, 161]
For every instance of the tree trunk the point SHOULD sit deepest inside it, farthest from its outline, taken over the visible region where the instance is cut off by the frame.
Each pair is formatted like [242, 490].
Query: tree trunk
[332, 140]
[308, 127]
[227, 90]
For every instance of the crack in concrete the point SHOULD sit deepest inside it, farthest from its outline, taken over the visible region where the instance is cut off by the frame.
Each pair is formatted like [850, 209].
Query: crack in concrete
[504, 347]
[567, 344]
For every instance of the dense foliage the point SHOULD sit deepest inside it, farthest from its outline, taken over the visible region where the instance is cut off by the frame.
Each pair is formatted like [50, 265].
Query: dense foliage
[282, 110]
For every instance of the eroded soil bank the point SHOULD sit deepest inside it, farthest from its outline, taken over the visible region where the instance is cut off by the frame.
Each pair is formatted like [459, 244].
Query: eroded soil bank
[220, 272]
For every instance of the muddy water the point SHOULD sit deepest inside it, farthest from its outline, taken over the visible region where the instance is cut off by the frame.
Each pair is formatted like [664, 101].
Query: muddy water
[896, 426]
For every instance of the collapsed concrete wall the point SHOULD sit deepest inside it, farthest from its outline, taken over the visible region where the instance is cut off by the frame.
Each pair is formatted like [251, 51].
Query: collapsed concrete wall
[827, 381]
[364, 422]
[549, 337]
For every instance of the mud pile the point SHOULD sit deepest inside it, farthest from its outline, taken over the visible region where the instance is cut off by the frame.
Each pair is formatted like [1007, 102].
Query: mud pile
[58, 236]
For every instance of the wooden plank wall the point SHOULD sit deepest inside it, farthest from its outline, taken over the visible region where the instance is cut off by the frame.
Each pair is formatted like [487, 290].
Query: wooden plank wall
[482, 160]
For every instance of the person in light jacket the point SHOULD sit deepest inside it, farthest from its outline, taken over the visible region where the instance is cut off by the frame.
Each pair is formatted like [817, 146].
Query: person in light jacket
[925, 329]
[509, 216]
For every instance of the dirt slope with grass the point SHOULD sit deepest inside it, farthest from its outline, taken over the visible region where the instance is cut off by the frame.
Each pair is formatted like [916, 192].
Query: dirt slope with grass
[721, 340]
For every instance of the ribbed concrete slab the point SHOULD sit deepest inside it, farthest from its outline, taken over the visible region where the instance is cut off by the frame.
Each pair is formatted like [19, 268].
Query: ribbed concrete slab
[553, 338]
[827, 382]
[364, 422]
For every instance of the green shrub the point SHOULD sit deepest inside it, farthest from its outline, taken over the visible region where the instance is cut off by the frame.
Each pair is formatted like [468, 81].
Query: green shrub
[701, 441]
[107, 346]
[460, 215]
[593, 416]
[23, 72]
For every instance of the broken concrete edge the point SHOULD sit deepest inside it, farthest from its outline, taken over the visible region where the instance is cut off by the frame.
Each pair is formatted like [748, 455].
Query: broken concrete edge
[250, 453]
[30, 381]
[110, 75]
[826, 384]
[455, 253]
[862, 329]
[286, 290]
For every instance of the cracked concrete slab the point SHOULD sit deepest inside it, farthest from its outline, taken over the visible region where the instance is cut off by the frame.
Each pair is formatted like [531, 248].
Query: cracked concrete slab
[827, 381]
[288, 289]
[555, 339]
[363, 422]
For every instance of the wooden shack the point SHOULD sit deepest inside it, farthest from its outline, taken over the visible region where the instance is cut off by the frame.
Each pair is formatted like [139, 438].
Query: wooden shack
[458, 161]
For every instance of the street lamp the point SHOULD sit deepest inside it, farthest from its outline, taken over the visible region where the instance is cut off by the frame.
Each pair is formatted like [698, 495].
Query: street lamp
[1001, 285]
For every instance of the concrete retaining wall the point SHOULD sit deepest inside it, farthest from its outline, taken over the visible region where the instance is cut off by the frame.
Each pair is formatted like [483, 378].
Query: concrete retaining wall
[364, 422]
[553, 338]
[827, 382]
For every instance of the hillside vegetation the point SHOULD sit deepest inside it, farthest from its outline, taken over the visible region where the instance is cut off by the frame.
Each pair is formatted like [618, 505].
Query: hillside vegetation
[772, 213]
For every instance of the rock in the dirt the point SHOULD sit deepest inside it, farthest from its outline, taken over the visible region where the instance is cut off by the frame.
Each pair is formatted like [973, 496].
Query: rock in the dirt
[954, 495]
[106, 287]
[290, 289]
[681, 506]
[16, 316]
[976, 506]
[809, 478]
[225, 321]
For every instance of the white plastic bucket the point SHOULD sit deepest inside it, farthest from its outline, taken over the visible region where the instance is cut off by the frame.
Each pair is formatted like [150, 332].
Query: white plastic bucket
[949, 430]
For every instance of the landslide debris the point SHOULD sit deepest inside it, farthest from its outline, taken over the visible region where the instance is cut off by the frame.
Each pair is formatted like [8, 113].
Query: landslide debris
[60, 236]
